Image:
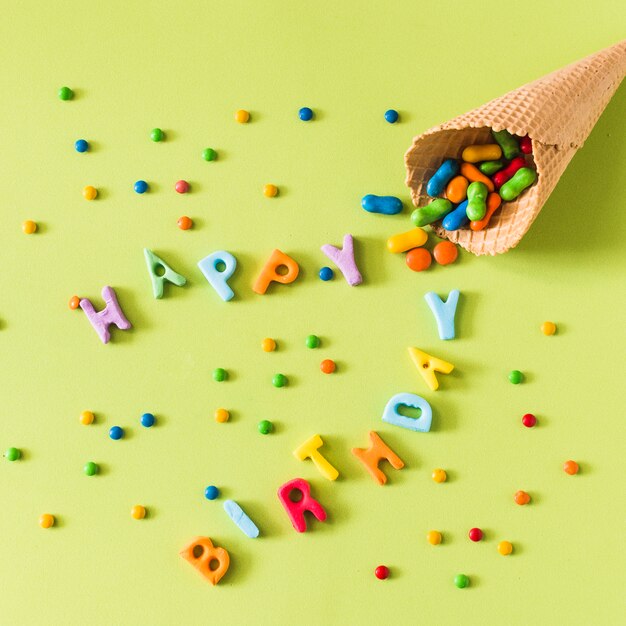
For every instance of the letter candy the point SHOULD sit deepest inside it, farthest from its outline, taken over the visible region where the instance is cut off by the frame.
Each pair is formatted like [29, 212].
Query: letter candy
[444, 312]
[241, 519]
[456, 218]
[402, 242]
[217, 279]
[438, 181]
[422, 424]
[386, 205]
[270, 274]
[111, 314]
[344, 259]
[427, 366]
[201, 552]
[309, 450]
[373, 455]
[153, 262]
[431, 212]
[296, 510]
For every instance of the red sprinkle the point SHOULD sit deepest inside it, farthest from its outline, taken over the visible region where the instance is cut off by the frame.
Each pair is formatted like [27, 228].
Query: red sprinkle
[529, 420]
[382, 572]
[475, 534]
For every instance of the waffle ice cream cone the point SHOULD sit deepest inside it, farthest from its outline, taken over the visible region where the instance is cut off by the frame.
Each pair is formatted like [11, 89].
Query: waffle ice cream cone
[557, 111]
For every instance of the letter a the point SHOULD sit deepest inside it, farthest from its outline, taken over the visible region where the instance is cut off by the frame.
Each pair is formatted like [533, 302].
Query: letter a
[427, 366]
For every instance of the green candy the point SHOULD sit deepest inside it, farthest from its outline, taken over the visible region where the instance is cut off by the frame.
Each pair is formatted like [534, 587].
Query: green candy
[208, 154]
[522, 179]
[515, 377]
[312, 341]
[265, 427]
[461, 581]
[12, 454]
[157, 134]
[280, 380]
[488, 168]
[507, 142]
[431, 212]
[65, 93]
[476, 201]
[90, 468]
[220, 374]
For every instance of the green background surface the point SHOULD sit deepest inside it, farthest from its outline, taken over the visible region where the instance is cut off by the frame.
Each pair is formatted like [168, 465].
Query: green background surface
[186, 67]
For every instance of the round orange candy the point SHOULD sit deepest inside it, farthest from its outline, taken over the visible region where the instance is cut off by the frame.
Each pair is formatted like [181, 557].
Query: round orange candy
[418, 259]
[521, 497]
[570, 467]
[138, 511]
[548, 328]
[74, 302]
[184, 222]
[29, 227]
[46, 520]
[269, 191]
[90, 193]
[445, 252]
[268, 345]
[439, 476]
[222, 415]
[328, 366]
[505, 548]
[434, 537]
[242, 116]
[86, 418]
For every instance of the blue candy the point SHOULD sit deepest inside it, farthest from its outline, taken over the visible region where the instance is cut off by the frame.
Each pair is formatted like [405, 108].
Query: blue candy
[457, 218]
[116, 433]
[446, 172]
[387, 205]
[81, 145]
[444, 312]
[211, 492]
[421, 424]
[305, 114]
[245, 524]
[141, 186]
[391, 116]
[326, 273]
[147, 420]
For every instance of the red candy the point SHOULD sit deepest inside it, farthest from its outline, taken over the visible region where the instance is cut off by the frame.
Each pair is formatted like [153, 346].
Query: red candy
[182, 186]
[475, 534]
[526, 145]
[499, 178]
[529, 420]
[381, 572]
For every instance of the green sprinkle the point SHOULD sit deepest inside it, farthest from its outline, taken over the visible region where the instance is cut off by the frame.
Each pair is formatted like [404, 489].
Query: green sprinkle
[65, 93]
[208, 154]
[516, 377]
[90, 468]
[265, 427]
[461, 581]
[13, 454]
[157, 134]
[220, 374]
[279, 380]
[312, 341]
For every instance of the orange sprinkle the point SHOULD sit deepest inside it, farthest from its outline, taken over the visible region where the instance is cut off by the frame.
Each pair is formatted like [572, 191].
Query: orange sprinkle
[222, 415]
[184, 222]
[521, 498]
[570, 467]
[74, 302]
[269, 191]
[328, 366]
[242, 116]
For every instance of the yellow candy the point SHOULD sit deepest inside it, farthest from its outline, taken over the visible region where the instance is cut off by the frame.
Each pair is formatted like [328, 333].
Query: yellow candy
[46, 520]
[434, 537]
[407, 241]
[269, 191]
[548, 328]
[268, 345]
[439, 476]
[29, 227]
[138, 511]
[86, 418]
[222, 415]
[486, 152]
[242, 116]
[505, 548]
[90, 193]
[427, 366]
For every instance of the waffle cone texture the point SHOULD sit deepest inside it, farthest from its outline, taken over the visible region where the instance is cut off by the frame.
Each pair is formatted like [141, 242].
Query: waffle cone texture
[557, 111]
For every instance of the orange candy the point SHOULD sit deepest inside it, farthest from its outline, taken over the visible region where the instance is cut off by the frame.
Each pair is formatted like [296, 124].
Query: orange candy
[29, 227]
[222, 416]
[473, 174]
[418, 259]
[184, 222]
[445, 252]
[268, 345]
[269, 191]
[328, 366]
[548, 328]
[493, 202]
[521, 498]
[46, 520]
[74, 302]
[434, 537]
[138, 511]
[570, 467]
[439, 476]
[242, 116]
[456, 191]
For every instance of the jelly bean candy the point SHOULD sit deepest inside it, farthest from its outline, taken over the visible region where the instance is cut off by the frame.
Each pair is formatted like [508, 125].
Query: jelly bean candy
[526, 145]
[473, 174]
[405, 241]
[447, 170]
[507, 173]
[457, 218]
[486, 152]
[476, 201]
[456, 191]
[431, 212]
[507, 142]
[522, 179]
[489, 168]
[387, 205]
[493, 202]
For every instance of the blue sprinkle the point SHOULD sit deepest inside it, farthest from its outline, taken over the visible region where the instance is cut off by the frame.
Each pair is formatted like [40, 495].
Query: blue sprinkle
[81, 145]
[326, 273]
[211, 492]
[392, 116]
[141, 186]
[147, 420]
[305, 114]
[116, 433]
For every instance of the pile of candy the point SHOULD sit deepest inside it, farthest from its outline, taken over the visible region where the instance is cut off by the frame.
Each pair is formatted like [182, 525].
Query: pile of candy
[473, 190]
